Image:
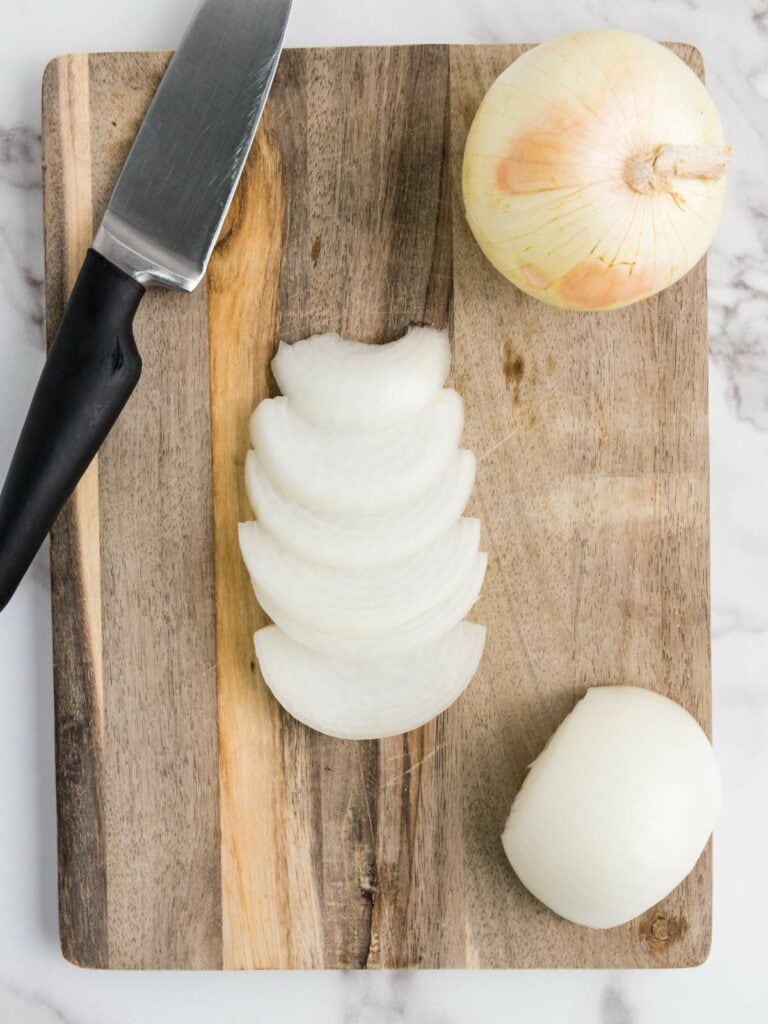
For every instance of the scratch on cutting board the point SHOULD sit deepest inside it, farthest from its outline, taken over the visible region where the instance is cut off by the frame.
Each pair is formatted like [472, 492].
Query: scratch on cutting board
[418, 764]
[498, 444]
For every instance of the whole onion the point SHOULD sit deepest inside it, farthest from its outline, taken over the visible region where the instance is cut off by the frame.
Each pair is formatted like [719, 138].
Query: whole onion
[594, 171]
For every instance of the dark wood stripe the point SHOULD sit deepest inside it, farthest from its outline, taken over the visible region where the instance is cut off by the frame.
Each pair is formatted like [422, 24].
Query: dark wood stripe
[156, 505]
[367, 252]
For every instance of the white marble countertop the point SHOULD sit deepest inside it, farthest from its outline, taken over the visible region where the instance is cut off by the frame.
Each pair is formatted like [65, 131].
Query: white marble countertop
[36, 985]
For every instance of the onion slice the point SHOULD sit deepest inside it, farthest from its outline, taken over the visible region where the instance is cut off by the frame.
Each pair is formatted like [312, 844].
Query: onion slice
[616, 810]
[358, 542]
[348, 385]
[359, 474]
[360, 601]
[428, 625]
[358, 700]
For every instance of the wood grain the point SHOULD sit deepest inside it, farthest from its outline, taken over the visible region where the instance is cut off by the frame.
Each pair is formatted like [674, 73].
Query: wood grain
[368, 192]
[243, 287]
[75, 546]
[200, 826]
[162, 821]
[591, 431]
[304, 844]
[133, 592]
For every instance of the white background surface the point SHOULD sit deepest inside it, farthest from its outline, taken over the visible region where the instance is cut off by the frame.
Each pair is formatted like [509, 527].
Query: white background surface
[36, 985]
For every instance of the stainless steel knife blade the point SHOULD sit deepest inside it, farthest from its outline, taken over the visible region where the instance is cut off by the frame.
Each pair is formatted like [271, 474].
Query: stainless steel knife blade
[172, 196]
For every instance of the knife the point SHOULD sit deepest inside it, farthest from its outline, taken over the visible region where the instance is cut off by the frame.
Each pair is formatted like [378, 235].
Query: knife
[159, 229]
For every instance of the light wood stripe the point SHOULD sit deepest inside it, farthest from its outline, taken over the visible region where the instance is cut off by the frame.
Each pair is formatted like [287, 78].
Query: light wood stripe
[242, 299]
[78, 205]
[75, 545]
[74, 92]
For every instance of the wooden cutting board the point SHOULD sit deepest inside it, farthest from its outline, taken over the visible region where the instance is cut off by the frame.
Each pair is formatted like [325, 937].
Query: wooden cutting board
[199, 825]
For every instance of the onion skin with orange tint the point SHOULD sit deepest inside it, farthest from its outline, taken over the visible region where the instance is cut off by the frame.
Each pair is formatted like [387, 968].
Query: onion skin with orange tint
[594, 171]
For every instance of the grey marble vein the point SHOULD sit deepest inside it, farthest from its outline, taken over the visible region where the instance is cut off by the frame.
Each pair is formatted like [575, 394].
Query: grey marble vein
[391, 998]
[23, 1007]
[20, 157]
[614, 1008]
[21, 272]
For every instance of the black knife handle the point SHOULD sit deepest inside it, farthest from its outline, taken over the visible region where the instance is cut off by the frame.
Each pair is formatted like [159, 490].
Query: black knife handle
[91, 370]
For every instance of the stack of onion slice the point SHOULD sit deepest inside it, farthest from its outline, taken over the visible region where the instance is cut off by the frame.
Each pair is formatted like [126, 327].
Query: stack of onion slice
[360, 554]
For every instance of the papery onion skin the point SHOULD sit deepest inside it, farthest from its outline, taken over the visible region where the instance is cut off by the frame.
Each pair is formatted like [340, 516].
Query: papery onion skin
[570, 181]
[616, 810]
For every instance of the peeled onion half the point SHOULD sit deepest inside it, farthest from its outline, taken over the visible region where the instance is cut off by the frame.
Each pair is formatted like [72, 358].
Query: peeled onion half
[348, 385]
[368, 473]
[369, 699]
[616, 810]
[358, 542]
